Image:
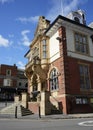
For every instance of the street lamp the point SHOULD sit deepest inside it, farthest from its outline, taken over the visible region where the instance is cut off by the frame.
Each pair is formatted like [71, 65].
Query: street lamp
[0, 93]
[16, 91]
[5, 98]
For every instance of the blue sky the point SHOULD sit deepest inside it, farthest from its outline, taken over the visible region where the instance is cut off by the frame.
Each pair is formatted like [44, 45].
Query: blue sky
[18, 20]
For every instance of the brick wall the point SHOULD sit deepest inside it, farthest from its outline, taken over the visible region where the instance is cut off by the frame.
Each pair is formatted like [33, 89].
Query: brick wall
[6, 67]
[34, 107]
[69, 80]
[75, 75]
[63, 68]
[13, 75]
[64, 59]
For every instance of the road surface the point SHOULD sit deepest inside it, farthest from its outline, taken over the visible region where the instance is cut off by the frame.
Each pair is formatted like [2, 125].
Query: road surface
[46, 124]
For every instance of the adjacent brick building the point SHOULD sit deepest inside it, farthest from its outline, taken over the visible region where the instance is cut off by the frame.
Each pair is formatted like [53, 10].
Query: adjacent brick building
[60, 62]
[12, 81]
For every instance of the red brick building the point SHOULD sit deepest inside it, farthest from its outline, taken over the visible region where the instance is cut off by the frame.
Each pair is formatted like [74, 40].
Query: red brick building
[12, 81]
[60, 61]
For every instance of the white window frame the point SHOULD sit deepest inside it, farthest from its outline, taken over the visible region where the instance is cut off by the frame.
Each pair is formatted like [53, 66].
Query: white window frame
[81, 43]
[7, 82]
[8, 72]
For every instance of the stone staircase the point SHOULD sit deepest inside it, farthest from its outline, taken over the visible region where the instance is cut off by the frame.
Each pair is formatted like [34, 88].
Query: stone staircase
[55, 110]
[55, 106]
[15, 110]
[11, 109]
[25, 111]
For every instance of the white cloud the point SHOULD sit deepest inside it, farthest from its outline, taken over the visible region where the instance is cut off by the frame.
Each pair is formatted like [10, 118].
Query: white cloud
[27, 20]
[5, 1]
[21, 65]
[25, 40]
[4, 42]
[63, 7]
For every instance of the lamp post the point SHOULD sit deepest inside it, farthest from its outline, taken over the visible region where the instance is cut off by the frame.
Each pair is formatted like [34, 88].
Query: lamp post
[16, 91]
[16, 104]
[5, 98]
[0, 93]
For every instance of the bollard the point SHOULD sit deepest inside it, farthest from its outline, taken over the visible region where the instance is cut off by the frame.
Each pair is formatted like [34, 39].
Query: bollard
[16, 112]
[39, 112]
[6, 103]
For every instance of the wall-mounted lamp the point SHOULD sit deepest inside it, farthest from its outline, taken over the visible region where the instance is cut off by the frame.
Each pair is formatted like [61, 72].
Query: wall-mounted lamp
[59, 39]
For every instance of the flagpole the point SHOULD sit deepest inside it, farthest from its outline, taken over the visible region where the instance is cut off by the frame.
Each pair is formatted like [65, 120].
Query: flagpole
[62, 9]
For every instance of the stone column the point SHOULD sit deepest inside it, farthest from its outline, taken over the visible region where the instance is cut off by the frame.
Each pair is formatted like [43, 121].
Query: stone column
[24, 100]
[39, 85]
[45, 107]
[16, 98]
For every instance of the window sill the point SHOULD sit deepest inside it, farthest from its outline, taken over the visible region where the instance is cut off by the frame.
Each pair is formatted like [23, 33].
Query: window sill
[86, 90]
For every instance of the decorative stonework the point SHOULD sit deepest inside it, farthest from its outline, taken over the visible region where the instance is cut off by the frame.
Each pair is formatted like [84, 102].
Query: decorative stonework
[42, 25]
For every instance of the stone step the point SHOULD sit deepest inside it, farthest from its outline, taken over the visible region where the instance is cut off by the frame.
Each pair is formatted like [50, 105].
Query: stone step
[11, 109]
[15, 109]
[25, 111]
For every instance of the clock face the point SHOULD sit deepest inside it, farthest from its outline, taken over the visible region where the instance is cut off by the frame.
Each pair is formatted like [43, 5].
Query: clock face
[77, 19]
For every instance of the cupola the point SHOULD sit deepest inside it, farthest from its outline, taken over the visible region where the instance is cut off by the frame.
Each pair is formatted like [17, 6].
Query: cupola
[78, 16]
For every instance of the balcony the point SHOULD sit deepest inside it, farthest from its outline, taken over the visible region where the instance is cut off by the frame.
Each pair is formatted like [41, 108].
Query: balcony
[35, 61]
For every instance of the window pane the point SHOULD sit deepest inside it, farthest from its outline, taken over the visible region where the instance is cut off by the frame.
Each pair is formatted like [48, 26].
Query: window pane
[53, 80]
[76, 37]
[8, 72]
[44, 54]
[81, 69]
[87, 82]
[78, 101]
[80, 39]
[7, 82]
[44, 48]
[81, 43]
[44, 42]
[86, 70]
[84, 77]
[84, 39]
[85, 101]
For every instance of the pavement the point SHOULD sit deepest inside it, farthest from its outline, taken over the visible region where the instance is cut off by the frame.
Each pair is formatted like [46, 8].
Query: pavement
[47, 117]
[70, 116]
[59, 116]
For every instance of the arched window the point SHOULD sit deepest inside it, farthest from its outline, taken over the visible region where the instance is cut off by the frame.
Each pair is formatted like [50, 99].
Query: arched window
[54, 80]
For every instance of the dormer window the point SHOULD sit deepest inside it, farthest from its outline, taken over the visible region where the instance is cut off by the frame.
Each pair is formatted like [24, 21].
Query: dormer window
[77, 19]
